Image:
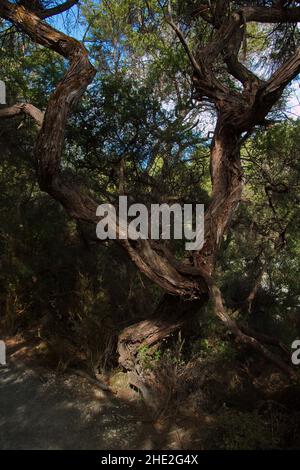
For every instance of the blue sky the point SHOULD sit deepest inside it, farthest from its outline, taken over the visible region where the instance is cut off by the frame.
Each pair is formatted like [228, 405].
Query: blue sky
[293, 110]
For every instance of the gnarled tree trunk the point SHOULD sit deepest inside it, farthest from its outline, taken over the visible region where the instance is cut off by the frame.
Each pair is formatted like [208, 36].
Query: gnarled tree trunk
[170, 315]
[173, 311]
[190, 280]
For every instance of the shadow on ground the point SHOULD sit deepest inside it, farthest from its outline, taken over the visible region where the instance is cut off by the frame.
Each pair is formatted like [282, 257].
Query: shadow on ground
[50, 412]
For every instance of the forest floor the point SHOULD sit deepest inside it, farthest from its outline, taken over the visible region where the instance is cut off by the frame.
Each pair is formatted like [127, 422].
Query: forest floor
[43, 410]
[217, 405]
[46, 412]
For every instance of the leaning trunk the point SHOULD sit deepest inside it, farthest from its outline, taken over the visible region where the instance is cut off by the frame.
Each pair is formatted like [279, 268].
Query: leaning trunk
[226, 178]
[173, 311]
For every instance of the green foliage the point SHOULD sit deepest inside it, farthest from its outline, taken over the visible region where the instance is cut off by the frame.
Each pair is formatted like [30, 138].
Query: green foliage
[149, 357]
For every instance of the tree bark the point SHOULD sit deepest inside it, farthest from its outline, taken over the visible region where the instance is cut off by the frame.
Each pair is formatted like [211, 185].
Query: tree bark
[169, 316]
[227, 184]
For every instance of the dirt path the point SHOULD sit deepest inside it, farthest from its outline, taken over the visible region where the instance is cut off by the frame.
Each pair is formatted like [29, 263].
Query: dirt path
[43, 411]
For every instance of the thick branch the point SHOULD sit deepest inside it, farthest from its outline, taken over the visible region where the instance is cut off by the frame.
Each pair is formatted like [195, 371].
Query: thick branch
[23, 108]
[226, 177]
[231, 54]
[203, 74]
[228, 38]
[58, 9]
[284, 75]
[271, 14]
[67, 94]
[267, 94]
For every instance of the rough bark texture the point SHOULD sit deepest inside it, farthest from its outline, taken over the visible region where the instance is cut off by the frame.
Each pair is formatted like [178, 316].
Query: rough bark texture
[190, 280]
[23, 108]
[169, 316]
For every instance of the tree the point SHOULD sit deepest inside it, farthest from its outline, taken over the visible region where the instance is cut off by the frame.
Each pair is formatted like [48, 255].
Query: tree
[242, 101]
